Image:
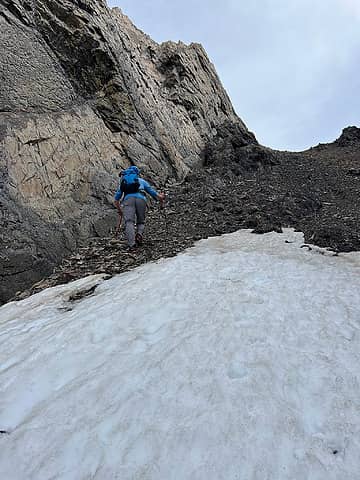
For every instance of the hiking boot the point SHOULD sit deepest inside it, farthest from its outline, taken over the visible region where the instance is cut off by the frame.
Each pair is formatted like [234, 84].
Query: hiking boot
[131, 249]
[139, 239]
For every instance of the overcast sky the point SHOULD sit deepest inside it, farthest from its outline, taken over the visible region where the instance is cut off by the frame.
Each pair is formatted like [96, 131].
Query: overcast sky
[290, 67]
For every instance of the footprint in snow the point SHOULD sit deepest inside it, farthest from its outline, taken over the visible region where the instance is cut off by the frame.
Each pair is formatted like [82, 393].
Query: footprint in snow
[237, 371]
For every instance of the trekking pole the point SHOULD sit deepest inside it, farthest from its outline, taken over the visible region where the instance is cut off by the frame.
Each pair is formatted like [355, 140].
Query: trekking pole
[162, 209]
[119, 224]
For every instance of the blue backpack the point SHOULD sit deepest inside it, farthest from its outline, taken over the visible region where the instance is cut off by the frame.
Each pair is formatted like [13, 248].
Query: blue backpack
[129, 180]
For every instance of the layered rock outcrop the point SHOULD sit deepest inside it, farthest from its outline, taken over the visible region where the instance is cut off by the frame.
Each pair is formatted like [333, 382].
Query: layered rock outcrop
[84, 93]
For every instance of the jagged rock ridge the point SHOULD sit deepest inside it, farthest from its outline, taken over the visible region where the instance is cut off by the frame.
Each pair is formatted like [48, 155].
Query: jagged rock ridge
[84, 93]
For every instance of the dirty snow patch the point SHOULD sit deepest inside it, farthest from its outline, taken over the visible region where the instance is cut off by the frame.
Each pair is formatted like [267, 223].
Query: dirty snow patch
[238, 359]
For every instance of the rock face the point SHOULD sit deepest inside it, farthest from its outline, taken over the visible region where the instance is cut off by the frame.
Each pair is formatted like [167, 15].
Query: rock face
[83, 93]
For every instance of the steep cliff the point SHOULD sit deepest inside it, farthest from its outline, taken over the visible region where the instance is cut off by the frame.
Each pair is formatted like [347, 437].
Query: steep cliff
[83, 93]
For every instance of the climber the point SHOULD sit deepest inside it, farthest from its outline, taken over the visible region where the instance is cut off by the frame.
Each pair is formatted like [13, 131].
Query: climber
[131, 192]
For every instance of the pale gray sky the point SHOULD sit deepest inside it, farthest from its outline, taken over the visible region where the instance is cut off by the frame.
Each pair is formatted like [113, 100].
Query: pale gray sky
[290, 67]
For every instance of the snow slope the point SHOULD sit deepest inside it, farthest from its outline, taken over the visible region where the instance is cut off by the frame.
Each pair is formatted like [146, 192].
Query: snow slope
[238, 359]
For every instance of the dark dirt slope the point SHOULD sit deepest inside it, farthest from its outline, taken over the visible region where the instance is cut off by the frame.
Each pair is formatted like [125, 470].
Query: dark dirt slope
[243, 186]
[316, 191]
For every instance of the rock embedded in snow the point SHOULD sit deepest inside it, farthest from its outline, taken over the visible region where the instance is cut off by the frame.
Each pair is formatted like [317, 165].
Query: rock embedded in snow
[227, 361]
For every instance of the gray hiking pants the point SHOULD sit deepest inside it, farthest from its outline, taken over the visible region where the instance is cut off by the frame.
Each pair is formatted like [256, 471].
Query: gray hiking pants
[134, 208]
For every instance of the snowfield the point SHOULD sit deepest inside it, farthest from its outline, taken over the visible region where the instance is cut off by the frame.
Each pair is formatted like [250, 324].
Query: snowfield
[238, 359]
